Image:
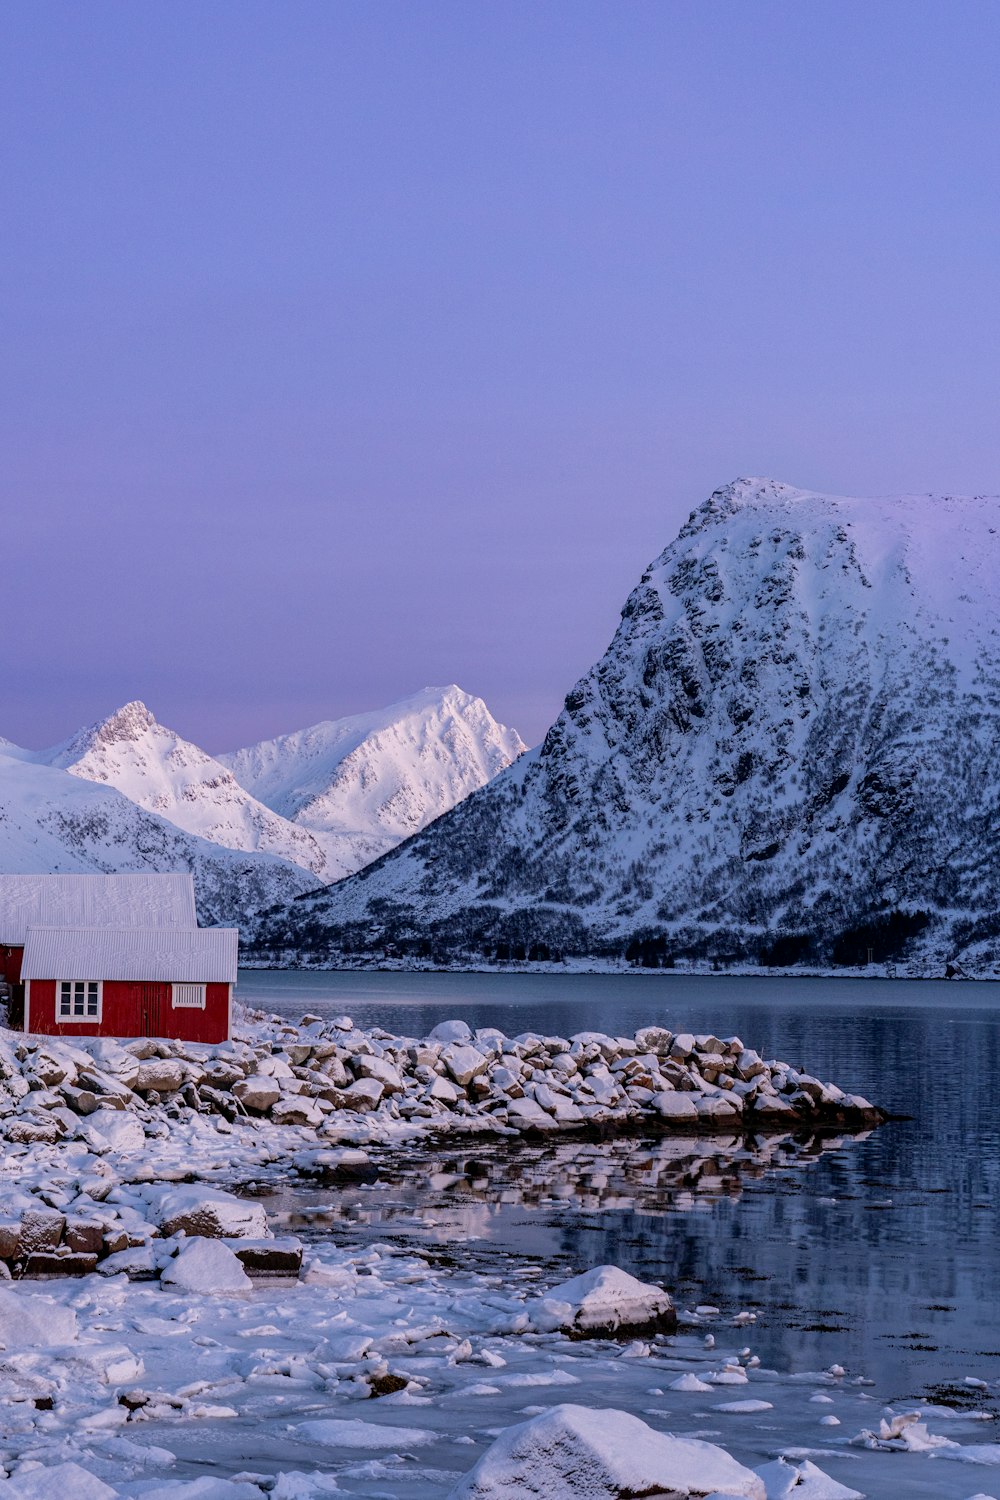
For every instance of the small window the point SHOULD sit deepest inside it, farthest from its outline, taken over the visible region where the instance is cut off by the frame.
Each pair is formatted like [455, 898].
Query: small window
[189, 997]
[79, 1000]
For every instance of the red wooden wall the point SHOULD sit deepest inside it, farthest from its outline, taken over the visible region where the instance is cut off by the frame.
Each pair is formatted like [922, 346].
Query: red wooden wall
[132, 1009]
[10, 964]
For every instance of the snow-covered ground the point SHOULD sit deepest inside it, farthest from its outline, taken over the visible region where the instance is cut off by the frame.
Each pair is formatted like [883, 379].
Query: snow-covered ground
[164, 1369]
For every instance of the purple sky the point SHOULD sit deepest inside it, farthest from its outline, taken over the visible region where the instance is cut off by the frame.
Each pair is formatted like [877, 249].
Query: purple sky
[348, 348]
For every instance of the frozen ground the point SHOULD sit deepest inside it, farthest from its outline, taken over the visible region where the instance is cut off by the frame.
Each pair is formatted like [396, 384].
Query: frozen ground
[378, 1370]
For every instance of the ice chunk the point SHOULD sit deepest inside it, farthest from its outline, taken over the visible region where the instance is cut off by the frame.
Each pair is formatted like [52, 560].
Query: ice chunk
[803, 1482]
[60, 1479]
[209, 1267]
[31, 1321]
[573, 1453]
[351, 1432]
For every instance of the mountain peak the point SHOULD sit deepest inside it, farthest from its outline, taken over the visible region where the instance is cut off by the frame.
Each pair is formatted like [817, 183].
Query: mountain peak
[130, 722]
[739, 494]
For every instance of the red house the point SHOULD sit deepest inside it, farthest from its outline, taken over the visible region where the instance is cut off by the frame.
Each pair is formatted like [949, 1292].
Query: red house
[115, 955]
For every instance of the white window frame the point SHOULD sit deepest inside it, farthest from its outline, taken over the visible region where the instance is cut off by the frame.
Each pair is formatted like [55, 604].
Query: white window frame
[186, 1004]
[75, 1020]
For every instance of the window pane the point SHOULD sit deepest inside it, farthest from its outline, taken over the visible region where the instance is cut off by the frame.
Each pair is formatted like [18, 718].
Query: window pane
[64, 998]
[92, 999]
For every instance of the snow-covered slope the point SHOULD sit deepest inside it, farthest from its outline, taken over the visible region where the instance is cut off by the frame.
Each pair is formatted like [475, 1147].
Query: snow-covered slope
[362, 784]
[51, 821]
[790, 751]
[167, 775]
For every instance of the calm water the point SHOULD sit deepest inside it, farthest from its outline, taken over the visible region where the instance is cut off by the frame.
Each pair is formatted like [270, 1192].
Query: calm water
[882, 1253]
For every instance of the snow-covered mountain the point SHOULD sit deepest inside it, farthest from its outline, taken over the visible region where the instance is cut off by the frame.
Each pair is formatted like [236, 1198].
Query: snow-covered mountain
[789, 752]
[361, 785]
[167, 775]
[51, 821]
[126, 793]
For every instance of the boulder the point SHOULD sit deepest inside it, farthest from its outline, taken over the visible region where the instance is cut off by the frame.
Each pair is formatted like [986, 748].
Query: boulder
[571, 1451]
[277, 1257]
[672, 1105]
[209, 1212]
[450, 1031]
[164, 1074]
[297, 1109]
[605, 1303]
[258, 1093]
[382, 1069]
[208, 1267]
[464, 1063]
[365, 1094]
[113, 1130]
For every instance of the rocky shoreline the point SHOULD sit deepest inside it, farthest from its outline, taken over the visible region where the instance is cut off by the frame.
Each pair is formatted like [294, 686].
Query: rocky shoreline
[96, 1131]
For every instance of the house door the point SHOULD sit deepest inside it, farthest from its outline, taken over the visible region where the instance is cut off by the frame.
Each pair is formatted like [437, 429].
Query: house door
[151, 1009]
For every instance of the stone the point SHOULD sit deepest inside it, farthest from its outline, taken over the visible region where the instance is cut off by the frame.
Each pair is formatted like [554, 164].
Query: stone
[451, 1031]
[605, 1303]
[114, 1131]
[195, 1210]
[464, 1063]
[27, 1131]
[383, 1070]
[257, 1094]
[364, 1095]
[40, 1230]
[83, 1101]
[48, 1264]
[673, 1105]
[164, 1074]
[85, 1236]
[296, 1109]
[277, 1257]
[569, 1451]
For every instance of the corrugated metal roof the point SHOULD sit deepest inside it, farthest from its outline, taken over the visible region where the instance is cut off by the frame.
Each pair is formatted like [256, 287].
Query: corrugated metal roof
[146, 900]
[198, 955]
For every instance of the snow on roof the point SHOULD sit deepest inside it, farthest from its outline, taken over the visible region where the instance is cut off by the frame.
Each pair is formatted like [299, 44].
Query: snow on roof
[181, 954]
[146, 900]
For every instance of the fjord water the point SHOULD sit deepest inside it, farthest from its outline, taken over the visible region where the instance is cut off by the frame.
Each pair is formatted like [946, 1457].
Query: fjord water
[880, 1253]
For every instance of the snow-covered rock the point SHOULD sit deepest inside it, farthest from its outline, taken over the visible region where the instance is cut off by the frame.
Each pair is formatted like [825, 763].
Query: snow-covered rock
[207, 1267]
[605, 1303]
[575, 1453]
[198, 1210]
[113, 1130]
[778, 758]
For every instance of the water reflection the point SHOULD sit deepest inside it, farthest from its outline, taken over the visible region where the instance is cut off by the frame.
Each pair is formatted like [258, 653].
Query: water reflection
[879, 1253]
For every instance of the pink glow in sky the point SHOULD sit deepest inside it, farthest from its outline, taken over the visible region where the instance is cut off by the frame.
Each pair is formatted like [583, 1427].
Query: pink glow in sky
[349, 348]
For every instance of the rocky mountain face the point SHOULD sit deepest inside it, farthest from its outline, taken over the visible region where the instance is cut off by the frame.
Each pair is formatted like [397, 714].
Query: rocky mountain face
[127, 793]
[788, 753]
[361, 785]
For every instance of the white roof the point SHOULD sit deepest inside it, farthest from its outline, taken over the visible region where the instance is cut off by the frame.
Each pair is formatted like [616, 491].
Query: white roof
[146, 900]
[184, 954]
